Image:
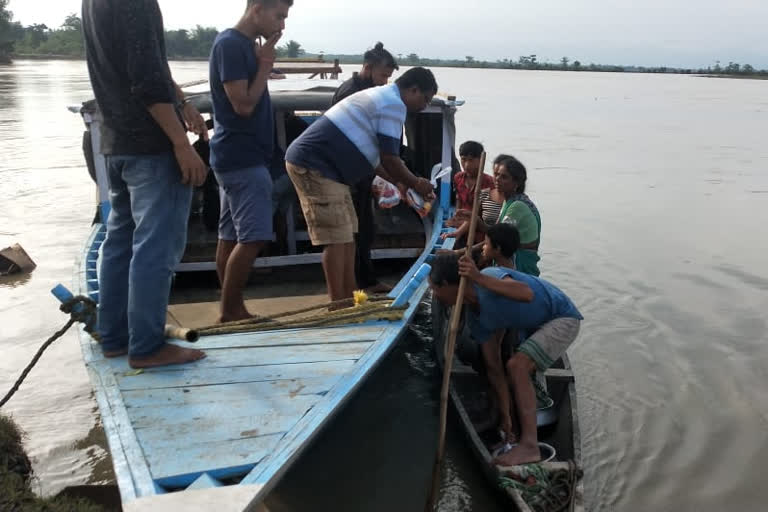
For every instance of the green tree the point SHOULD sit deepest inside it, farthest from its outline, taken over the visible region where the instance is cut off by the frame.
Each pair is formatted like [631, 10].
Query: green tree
[201, 41]
[7, 38]
[470, 60]
[293, 49]
[748, 69]
[576, 64]
[413, 59]
[73, 22]
[564, 62]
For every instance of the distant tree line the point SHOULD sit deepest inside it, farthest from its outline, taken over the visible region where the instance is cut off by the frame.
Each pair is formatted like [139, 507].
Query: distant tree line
[532, 62]
[67, 41]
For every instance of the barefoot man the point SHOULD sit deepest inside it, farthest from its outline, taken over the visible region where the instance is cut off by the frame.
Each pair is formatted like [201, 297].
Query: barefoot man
[152, 168]
[357, 137]
[243, 143]
[499, 299]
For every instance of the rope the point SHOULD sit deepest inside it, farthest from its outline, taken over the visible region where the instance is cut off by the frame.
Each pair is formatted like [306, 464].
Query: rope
[550, 492]
[376, 308]
[84, 315]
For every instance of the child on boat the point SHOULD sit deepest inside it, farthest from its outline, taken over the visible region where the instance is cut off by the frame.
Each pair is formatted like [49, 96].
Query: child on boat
[464, 182]
[499, 299]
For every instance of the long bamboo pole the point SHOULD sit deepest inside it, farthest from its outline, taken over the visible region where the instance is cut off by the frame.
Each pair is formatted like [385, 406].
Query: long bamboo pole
[451, 345]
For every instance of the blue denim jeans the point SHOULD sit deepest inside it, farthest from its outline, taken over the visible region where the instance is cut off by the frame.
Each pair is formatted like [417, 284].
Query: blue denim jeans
[146, 236]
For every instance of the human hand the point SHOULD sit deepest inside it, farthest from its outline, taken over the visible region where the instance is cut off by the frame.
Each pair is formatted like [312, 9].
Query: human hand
[468, 269]
[193, 170]
[424, 188]
[267, 52]
[194, 121]
[451, 234]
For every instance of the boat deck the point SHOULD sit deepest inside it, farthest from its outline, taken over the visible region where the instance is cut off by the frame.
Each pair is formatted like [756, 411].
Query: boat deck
[240, 416]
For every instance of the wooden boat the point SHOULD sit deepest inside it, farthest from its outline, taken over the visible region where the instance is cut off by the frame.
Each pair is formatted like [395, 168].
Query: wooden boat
[557, 418]
[219, 433]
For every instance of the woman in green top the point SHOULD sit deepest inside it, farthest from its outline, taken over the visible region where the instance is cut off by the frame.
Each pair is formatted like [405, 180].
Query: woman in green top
[519, 211]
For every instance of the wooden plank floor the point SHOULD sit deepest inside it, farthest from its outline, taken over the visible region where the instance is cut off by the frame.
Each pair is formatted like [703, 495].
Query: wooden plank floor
[233, 408]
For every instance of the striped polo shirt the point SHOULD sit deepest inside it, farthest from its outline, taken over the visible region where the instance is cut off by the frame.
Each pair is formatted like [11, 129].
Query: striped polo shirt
[346, 144]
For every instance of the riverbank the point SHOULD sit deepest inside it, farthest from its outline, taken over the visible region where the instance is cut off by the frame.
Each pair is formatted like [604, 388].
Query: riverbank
[16, 478]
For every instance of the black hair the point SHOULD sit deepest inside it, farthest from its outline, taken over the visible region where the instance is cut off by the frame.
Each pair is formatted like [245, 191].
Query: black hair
[418, 77]
[269, 3]
[378, 56]
[499, 159]
[516, 171]
[504, 237]
[471, 149]
[445, 269]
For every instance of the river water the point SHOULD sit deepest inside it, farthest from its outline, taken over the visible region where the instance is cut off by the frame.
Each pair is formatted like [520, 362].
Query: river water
[653, 191]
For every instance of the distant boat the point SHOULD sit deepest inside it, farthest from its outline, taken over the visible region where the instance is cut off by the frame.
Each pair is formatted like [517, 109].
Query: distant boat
[218, 434]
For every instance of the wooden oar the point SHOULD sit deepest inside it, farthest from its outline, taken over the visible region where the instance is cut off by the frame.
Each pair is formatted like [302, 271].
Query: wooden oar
[450, 346]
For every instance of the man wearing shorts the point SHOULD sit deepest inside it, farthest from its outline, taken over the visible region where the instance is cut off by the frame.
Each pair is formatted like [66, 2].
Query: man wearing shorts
[501, 299]
[243, 143]
[356, 138]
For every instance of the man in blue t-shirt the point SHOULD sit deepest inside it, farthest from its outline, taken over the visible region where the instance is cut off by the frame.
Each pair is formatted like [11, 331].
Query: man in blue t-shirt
[242, 145]
[355, 138]
[499, 299]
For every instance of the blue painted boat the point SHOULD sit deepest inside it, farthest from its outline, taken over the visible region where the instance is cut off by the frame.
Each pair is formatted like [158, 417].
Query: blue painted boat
[219, 433]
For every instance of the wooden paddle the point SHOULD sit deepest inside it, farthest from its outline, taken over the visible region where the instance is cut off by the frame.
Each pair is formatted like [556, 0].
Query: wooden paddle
[451, 345]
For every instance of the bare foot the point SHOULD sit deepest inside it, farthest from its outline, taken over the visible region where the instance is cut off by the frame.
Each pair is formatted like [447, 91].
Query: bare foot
[169, 354]
[235, 317]
[378, 289]
[519, 454]
[109, 354]
[512, 440]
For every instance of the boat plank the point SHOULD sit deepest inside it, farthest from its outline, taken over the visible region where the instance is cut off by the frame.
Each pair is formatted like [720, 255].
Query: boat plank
[167, 461]
[225, 393]
[193, 377]
[212, 422]
[269, 356]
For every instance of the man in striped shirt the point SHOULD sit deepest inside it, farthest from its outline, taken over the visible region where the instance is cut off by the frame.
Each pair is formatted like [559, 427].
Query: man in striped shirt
[356, 138]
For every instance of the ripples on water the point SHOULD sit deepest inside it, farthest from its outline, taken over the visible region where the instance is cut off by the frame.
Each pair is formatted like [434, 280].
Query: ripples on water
[652, 192]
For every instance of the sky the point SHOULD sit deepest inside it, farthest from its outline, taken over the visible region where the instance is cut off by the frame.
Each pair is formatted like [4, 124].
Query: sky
[684, 33]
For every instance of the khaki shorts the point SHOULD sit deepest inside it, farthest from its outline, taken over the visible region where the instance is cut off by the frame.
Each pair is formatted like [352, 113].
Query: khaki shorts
[327, 206]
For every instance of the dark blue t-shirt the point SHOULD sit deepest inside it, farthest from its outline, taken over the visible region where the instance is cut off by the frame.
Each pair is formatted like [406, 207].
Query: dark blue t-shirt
[238, 142]
[497, 312]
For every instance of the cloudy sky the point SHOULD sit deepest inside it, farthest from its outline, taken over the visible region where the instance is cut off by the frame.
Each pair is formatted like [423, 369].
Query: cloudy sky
[642, 32]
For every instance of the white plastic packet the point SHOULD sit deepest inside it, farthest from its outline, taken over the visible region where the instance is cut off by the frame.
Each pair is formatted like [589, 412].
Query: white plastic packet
[387, 195]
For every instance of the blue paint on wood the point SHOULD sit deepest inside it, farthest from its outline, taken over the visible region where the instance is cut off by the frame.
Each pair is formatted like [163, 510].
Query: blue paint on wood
[207, 457]
[186, 377]
[208, 423]
[166, 399]
[205, 481]
[269, 356]
[188, 479]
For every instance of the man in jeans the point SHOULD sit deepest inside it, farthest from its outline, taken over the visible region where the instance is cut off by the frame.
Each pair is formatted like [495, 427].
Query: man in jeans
[243, 144]
[152, 168]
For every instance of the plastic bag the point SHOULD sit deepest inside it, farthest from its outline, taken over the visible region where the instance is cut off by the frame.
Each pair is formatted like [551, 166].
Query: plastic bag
[387, 195]
[418, 203]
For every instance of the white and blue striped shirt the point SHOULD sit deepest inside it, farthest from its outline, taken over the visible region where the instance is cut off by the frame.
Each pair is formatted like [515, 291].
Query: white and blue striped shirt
[347, 142]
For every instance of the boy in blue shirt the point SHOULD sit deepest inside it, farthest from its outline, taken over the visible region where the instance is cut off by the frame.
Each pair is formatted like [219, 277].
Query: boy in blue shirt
[243, 143]
[499, 299]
